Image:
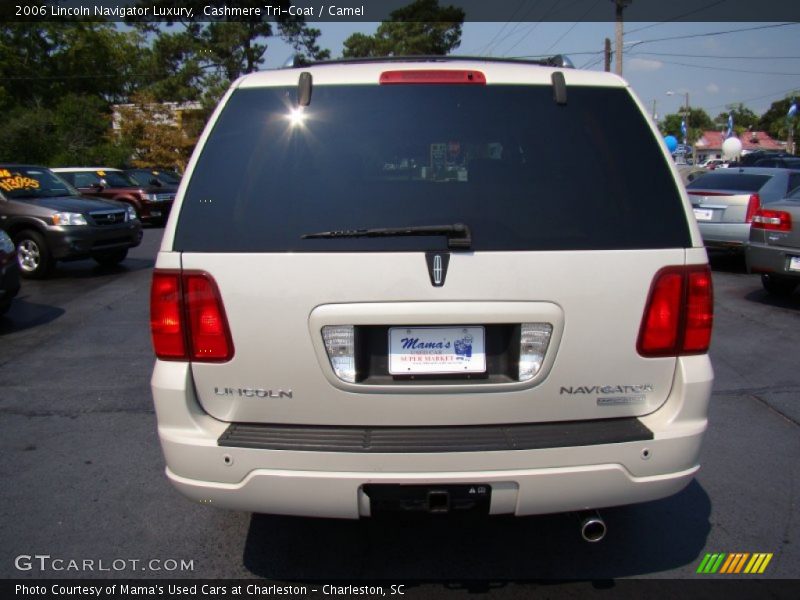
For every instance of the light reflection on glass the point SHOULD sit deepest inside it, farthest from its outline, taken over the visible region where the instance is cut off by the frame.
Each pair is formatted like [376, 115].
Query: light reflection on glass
[296, 116]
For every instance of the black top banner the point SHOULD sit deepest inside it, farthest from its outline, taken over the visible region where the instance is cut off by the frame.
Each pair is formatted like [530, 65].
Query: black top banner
[380, 10]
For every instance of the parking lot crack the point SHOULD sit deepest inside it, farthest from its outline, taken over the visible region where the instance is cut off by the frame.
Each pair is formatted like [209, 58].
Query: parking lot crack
[73, 414]
[774, 410]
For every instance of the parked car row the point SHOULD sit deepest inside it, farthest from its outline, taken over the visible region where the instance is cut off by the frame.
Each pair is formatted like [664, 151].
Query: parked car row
[751, 211]
[71, 214]
[152, 200]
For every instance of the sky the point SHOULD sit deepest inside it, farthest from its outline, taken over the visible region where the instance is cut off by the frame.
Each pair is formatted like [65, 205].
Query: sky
[754, 67]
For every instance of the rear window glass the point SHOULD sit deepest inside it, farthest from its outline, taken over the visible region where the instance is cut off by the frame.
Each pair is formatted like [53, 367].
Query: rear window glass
[523, 172]
[730, 181]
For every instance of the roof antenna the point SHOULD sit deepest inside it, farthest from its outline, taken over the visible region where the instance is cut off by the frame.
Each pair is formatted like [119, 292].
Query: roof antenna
[559, 87]
[304, 85]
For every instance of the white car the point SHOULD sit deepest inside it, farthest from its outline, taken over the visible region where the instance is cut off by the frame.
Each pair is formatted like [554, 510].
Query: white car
[481, 327]
[715, 163]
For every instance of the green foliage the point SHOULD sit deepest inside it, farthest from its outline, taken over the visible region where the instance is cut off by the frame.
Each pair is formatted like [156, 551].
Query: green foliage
[699, 121]
[79, 124]
[28, 135]
[155, 132]
[46, 62]
[743, 118]
[775, 122]
[58, 81]
[303, 39]
[170, 69]
[421, 28]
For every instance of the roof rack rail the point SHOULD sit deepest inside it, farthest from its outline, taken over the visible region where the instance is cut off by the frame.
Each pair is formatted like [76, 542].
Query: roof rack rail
[559, 60]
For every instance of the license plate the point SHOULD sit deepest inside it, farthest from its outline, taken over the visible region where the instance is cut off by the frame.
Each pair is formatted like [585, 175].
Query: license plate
[436, 350]
[794, 263]
[703, 214]
[155, 213]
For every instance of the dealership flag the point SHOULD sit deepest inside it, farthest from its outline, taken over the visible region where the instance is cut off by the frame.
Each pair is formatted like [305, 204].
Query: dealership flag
[792, 110]
[683, 130]
[729, 133]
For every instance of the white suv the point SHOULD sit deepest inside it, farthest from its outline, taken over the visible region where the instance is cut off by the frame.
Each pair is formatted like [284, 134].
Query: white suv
[383, 289]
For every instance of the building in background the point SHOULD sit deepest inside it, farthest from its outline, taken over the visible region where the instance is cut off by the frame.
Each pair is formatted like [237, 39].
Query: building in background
[710, 144]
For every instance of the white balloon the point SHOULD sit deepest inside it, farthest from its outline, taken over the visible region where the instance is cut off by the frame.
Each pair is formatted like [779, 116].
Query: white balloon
[731, 148]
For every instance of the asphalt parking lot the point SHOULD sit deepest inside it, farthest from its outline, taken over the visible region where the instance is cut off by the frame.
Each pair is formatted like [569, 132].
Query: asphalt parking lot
[83, 472]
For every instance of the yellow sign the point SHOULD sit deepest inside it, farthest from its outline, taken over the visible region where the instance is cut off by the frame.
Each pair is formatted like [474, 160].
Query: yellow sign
[19, 182]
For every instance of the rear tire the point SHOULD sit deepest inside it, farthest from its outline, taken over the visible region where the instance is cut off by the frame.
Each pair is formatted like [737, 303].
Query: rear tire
[33, 255]
[110, 258]
[779, 286]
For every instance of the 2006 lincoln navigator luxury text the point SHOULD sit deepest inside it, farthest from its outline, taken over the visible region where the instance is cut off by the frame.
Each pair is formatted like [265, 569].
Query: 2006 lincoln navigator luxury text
[382, 288]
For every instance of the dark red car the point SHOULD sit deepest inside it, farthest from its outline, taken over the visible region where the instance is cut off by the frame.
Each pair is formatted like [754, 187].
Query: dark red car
[152, 203]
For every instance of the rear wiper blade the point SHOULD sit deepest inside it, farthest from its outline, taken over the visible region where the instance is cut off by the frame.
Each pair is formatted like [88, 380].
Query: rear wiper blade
[458, 234]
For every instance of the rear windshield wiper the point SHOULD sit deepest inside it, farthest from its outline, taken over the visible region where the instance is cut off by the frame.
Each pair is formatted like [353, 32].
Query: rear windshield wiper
[458, 234]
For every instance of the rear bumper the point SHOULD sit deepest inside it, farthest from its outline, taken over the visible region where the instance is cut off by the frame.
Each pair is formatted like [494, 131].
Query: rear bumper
[527, 492]
[770, 259]
[155, 211]
[725, 236]
[523, 482]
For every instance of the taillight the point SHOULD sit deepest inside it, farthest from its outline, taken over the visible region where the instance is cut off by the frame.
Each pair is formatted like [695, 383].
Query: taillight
[699, 311]
[209, 336]
[774, 220]
[435, 76]
[753, 204]
[166, 316]
[679, 313]
[187, 318]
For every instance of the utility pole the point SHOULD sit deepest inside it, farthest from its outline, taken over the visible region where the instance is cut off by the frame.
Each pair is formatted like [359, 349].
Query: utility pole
[619, 6]
[607, 53]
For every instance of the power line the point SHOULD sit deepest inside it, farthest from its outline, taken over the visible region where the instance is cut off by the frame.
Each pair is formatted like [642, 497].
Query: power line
[517, 26]
[714, 68]
[781, 93]
[583, 16]
[714, 56]
[710, 34]
[592, 62]
[530, 29]
[691, 12]
[506, 24]
[564, 53]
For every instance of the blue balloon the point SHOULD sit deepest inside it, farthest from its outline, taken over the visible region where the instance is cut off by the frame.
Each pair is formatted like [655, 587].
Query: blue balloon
[671, 142]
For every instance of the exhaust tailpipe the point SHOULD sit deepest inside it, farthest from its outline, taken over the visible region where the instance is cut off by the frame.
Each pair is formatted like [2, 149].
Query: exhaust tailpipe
[593, 527]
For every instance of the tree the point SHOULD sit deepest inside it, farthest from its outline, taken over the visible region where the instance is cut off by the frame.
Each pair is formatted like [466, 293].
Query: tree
[80, 125]
[743, 118]
[28, 135]
[303, 39]
[421, 28]
[151, 128]
[699, 121]
[774, 121]
[46, 62]
[232, 46]
[171, 68]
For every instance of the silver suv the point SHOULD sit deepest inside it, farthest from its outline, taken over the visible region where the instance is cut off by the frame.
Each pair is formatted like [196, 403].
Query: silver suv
[382, 288]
